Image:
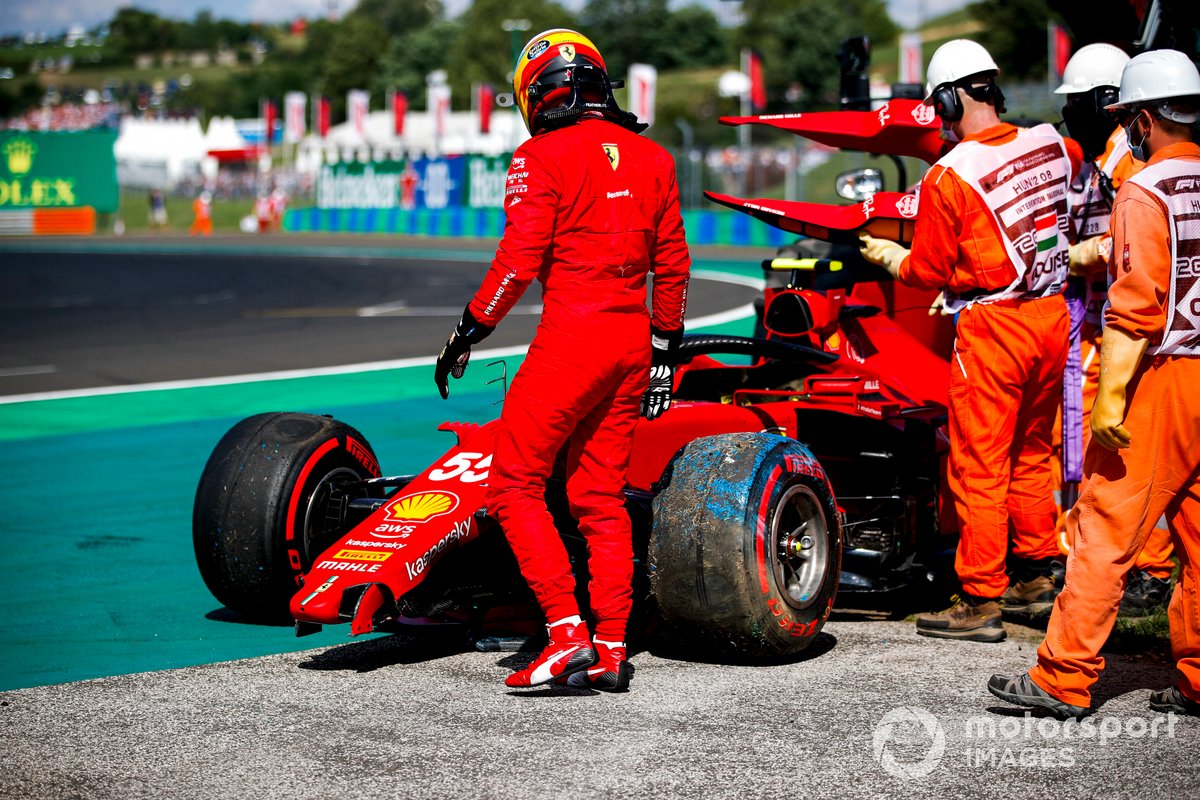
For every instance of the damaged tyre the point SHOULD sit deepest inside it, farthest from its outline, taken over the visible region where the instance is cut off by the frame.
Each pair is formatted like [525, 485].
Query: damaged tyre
[745, 552]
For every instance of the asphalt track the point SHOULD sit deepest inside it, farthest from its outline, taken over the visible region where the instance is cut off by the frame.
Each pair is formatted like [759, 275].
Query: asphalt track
[97, 487]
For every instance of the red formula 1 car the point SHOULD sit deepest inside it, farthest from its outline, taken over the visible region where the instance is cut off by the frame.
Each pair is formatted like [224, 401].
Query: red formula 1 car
[763, 492]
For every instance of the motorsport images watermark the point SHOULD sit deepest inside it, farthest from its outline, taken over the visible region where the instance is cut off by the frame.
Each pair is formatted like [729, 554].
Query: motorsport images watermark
[910, 742]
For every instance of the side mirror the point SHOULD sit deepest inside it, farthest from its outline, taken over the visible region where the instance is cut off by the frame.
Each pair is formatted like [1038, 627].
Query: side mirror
[859, 184]
[795, 312]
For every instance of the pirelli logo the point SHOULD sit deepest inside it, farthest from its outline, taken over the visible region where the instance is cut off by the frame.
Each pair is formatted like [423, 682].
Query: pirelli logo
[361, 555]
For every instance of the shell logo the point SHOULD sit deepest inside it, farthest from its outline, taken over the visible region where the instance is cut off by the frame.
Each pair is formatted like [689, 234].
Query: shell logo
[422, 506]
[924, 114]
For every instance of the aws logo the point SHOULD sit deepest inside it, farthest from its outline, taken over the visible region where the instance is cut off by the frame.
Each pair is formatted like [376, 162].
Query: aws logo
[421, 506]
[20, 153]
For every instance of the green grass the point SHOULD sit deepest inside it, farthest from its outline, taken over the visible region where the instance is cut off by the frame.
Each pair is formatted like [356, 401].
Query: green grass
[135, 213]
[1150, 635]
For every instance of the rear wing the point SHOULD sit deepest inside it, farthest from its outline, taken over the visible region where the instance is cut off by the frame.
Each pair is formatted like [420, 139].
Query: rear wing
[887, 215]
[900, 127]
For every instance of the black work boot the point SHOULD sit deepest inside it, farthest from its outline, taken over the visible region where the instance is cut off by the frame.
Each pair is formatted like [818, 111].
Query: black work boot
[1173, 701]
[975, 619]
[1144, 594]
[1022, 691]
[1031, 589]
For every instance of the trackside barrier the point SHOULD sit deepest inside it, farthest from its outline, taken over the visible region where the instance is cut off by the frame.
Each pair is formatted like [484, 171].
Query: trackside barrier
[703, 227]
[79, 221]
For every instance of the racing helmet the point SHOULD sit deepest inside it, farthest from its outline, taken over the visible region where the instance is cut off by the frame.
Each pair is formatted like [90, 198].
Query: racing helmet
[1153, 78]
[960, 63]
[560, 76]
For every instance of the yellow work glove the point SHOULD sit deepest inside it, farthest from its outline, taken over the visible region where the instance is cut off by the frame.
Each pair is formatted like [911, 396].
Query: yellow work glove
[939, 306]
[1120, 355]
[884, 252]
[1085, 256]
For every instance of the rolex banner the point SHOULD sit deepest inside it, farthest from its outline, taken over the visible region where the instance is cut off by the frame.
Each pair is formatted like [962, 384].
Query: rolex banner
[58, 170]
[423, 183]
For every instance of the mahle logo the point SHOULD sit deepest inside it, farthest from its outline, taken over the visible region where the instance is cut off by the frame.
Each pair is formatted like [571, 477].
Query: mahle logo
[20, 153]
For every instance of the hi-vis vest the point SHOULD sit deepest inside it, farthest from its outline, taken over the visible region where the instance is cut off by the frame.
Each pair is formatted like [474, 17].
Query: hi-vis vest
[1024, 185]
[1091, 216]
[1176, 183]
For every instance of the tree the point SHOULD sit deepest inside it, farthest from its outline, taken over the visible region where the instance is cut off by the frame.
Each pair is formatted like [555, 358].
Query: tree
[413, 56]
[483, 51]
[872, 18]
[133, 32]
[353, 60]
[201, 34]
[399, 17]
[626, 31]
[690, 37]
[798, 42]
[1014, 32]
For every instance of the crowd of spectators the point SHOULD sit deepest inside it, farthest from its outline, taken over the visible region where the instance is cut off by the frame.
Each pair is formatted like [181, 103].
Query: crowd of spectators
[66, 117]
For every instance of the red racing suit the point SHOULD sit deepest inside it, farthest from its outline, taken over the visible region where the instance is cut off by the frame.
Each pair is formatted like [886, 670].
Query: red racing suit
[591, 210]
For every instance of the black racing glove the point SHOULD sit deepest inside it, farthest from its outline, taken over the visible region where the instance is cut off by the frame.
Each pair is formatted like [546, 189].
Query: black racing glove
[457, 352]
[657, 398]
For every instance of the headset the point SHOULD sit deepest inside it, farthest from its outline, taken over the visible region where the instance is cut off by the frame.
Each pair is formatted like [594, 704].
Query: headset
[947, 105]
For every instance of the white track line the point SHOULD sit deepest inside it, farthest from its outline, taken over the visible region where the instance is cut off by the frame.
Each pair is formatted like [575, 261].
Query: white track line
[374, 366]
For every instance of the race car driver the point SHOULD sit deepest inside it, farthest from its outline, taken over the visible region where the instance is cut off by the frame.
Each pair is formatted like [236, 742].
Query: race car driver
[591, 208]
[990, 233]
[1143, 460]
[1090, 83]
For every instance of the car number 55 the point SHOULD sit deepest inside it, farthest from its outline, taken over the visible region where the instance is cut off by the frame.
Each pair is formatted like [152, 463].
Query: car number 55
[467, 467]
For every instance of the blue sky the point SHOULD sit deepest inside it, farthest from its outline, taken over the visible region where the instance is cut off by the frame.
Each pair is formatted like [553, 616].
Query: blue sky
[20, 16]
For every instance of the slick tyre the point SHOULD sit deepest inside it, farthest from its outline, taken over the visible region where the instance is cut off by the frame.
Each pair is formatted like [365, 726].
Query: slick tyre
[270, 500]
[745, 551]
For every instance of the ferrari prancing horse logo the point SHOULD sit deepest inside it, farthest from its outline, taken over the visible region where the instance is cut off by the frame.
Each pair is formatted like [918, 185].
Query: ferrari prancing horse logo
[614, 155]
[567, 51]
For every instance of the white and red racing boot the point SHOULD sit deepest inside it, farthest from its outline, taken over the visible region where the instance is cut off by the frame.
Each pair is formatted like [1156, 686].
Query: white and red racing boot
[612, 671]
[569, 651]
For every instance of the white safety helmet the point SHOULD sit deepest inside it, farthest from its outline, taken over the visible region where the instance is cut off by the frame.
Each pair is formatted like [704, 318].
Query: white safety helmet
[1092, 66]
[1160, 75]
[955, 60]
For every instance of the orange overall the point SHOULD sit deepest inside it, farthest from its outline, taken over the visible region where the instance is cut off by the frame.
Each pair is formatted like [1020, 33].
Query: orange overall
[202, 223]
[1119, 165]
[1125, 492]
[1005, 379]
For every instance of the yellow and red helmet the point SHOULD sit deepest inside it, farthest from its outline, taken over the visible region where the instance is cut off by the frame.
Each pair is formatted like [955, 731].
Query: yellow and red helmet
[557, 68]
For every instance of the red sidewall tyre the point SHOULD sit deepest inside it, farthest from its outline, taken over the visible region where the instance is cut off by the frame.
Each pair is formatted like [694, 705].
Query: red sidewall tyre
[745, 553]
[262, 514]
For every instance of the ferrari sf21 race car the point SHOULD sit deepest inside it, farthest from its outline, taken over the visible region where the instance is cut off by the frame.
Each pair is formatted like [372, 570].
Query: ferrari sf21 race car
[767, 490]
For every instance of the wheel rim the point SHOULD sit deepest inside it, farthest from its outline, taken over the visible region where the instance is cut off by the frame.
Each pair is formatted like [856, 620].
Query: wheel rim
[800, 546]
[323, 517]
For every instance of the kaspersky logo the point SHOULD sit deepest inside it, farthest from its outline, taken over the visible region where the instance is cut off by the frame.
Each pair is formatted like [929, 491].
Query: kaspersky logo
[421, 506]
[20, 152]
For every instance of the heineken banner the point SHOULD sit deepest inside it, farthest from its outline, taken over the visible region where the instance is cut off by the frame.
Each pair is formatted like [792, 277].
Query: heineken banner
[423, 183]
[58, 170]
